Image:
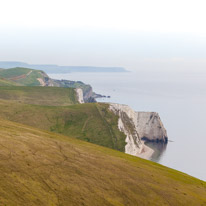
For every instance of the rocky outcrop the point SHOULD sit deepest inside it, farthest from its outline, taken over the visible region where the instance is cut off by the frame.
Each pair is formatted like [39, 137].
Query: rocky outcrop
[86, 89]
[88, 94]
[150, 127]
[139, 127]
[80, 97]
[45, 80]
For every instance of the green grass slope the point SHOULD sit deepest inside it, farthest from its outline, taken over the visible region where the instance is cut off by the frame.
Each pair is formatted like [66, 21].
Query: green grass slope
[91, 122]
[43, 168]
[13, 72]
[23, 76]
[39, 95]
[5, 82]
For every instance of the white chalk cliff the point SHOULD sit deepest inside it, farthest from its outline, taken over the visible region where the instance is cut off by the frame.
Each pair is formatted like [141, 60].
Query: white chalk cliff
[139, 126]
[80, 97]
[150, 127]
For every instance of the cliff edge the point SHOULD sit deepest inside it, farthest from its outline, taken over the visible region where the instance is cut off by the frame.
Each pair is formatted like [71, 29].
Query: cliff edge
[80, 97]
[139, 127]
[150, 127]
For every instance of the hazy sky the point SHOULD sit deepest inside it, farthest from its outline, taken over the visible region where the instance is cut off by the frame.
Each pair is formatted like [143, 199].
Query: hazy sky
[137, 15]
[129, 33]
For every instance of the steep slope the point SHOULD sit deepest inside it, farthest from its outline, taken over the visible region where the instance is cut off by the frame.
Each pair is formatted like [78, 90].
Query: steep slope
[42, 168]
[148, 124]
[89, 122]
[88, 94]
[112, 125]
[51, 96]
[139, 127]
[150, 127]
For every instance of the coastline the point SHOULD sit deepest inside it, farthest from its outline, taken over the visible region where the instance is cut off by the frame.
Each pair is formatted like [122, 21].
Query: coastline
[145, 152]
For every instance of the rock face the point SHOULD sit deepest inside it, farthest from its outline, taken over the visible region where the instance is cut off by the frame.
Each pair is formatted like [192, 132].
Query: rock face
[86, 89]
[84, 92]
[126, 124]
[150, 127]
[45, 80]
[88, 94]
[139, 127]
[80, 95]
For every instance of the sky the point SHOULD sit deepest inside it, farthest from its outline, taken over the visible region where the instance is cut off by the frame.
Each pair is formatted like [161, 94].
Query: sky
[130, 33]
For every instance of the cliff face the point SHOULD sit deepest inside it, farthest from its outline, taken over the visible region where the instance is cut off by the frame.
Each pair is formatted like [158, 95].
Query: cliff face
[88, 94]
[150, 127]
[31, 77]
[86, 88]
[80, 97]
[126, 124]
[139, 126]
[45, 80]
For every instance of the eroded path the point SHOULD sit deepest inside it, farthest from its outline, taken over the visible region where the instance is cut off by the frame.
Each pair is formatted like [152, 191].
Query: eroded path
[23, 76]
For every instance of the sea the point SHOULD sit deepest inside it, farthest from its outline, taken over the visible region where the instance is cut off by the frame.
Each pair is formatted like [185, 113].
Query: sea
[178, 97]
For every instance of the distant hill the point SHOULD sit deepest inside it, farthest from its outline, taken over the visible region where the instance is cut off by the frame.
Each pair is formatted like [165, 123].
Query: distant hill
[6, 82]
[44, 168]
[51, 68]
[21, 76]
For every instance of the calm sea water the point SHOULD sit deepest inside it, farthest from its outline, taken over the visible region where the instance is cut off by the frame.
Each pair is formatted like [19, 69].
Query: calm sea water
[180, 100]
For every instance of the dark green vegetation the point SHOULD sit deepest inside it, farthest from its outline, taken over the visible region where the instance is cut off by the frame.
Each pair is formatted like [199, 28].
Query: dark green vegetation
[43, 168]
[52, 96]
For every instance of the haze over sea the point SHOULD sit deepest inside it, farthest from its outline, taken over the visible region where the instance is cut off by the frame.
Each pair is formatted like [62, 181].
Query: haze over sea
[178, 97]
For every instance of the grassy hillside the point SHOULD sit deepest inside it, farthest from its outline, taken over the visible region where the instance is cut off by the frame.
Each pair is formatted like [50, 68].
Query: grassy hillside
[5, 82]
[90, 122]
[39, 95]
[13, 72]
[29, 77]
[42, 168]
[23, 76]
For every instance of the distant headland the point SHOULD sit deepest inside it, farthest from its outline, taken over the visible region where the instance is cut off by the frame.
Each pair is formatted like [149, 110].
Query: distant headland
[52, 68]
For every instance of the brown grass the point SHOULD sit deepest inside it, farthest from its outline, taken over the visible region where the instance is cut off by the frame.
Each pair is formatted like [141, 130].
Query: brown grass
[43, 168]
